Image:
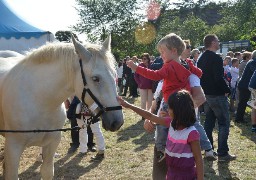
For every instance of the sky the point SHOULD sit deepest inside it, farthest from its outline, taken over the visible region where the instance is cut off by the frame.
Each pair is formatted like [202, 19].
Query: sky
[49, 15]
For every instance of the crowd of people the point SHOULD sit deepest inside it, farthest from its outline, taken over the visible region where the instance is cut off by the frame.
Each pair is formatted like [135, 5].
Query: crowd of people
[175, 88]
[216, 86]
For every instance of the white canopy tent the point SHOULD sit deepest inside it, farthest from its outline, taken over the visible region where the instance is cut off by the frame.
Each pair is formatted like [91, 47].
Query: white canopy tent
[17, 35]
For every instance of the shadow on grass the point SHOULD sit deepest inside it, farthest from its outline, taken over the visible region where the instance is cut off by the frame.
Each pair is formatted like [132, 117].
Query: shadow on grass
[223, 171]
[63, 168]
[31, 173]
[134, 131]
[246, 126]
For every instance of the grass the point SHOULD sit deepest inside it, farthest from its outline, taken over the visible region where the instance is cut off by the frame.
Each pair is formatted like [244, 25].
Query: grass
[129, 154]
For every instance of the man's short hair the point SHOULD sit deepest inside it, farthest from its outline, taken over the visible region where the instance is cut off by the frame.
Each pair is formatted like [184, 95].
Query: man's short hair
[208, 39]
[246, 54]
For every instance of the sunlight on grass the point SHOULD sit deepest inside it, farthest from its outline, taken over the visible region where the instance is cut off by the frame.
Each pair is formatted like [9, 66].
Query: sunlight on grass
[129, 154]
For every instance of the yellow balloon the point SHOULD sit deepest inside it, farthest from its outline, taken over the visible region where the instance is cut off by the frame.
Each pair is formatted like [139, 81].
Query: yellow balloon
[145, 33]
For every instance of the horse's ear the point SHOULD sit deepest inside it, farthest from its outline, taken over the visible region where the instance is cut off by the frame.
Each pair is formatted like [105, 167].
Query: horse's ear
[107, 43]
[81, 50]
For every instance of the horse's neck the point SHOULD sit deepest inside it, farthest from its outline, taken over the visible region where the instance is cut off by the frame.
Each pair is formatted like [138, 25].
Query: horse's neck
[50, 84]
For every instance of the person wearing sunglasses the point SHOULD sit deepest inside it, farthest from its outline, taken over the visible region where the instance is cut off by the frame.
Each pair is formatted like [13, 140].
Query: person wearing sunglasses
[145, 84]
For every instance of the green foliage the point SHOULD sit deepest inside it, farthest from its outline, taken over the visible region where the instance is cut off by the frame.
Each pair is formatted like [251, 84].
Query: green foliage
[238, 20]
[100, 17]
[191, 28]
[233, 20]
[64, 36]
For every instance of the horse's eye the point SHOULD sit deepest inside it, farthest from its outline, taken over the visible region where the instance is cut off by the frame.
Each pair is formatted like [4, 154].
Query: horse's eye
[96, 79]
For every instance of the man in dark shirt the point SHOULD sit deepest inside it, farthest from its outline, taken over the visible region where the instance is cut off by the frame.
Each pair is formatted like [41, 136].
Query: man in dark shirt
[244, 92]
[216, 92]
[127, 73]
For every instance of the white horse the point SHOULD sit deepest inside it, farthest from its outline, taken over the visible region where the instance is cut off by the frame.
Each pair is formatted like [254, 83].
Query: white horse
[8, 53]
[33, 91]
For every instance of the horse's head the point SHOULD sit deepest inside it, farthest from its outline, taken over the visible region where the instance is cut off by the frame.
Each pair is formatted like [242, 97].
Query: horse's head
[97, 64]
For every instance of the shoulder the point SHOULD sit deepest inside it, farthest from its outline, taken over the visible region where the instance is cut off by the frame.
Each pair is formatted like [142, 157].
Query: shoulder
[193, 134]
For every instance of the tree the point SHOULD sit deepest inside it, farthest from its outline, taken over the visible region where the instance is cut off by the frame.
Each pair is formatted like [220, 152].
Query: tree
[238, 19]
[120, 18]
[64, 36]
[102, 17]
[191, 28]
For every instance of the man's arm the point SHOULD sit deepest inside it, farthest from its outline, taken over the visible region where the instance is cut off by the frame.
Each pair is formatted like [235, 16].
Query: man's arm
[218, 76]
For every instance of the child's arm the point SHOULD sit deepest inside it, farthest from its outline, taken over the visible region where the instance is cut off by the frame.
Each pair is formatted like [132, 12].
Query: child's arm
[142, 112]
[195, 146]
[155, 75]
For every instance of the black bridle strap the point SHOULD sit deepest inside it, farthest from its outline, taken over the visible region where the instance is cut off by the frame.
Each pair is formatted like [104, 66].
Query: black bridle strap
[82, 72]
[102, 108]
[94, 98]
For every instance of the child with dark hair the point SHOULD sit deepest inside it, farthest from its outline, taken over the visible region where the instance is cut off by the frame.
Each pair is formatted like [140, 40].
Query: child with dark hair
[183, 153]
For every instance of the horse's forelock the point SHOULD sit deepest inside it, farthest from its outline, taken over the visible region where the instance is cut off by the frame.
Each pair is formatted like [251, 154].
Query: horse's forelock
[106, 55]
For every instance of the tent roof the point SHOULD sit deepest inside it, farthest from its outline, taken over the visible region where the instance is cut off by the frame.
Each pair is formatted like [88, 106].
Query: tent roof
[13, 26]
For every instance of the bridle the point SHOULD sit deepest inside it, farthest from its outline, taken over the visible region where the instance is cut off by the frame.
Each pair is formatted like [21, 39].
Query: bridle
[96, 104]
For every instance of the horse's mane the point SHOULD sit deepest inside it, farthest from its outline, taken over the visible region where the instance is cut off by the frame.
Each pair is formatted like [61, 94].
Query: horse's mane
[52, 51]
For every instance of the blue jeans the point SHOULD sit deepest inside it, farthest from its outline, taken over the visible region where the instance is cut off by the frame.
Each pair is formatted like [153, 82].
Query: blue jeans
[161, 137]
[161, 132]
[217, 108]
[205, 144]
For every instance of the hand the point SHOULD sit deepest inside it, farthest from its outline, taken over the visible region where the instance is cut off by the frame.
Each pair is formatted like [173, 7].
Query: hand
[149, 126]
[131, 65]
[122, 102]
[226, 94]
[163, 113]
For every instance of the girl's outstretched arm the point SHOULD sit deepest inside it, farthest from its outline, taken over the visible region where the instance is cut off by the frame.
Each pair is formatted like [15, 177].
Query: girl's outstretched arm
[195, 146]
[142, 112]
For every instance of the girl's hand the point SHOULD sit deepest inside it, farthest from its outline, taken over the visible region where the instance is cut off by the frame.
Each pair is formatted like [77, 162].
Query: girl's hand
[122, 102]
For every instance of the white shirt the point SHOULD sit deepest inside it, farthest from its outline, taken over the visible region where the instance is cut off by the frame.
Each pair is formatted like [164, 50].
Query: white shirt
[226, 69]
[119, 72]
[234, 74]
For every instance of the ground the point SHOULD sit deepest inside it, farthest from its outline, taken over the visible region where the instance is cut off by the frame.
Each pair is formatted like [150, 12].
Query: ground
[129, 154]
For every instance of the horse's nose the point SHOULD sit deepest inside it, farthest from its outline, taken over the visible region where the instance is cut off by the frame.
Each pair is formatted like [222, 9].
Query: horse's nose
[112, 121]
[116, 125]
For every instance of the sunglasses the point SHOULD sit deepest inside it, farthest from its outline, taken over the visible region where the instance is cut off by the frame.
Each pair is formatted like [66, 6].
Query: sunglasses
[188, 47]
